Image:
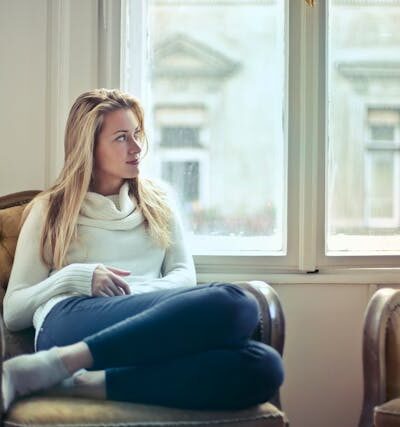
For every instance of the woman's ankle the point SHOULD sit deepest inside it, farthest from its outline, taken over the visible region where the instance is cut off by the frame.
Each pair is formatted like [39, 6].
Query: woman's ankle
[76, 356]
[91, 384]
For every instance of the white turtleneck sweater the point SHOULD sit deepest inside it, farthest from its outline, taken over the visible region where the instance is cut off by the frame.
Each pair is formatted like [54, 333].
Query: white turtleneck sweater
[111, 232]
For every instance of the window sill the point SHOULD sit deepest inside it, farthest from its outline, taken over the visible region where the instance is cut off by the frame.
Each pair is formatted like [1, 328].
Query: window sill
[365, 276]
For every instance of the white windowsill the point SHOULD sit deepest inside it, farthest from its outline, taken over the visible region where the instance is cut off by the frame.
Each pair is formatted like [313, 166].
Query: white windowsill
[364, 276]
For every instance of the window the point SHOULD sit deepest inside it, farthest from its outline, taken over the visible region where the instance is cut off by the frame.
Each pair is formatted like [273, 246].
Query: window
[277, 123]
[363, 127]
[220, 144]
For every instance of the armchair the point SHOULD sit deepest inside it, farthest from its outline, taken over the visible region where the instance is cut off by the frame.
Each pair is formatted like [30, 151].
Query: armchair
[51, 410]
[381, 360]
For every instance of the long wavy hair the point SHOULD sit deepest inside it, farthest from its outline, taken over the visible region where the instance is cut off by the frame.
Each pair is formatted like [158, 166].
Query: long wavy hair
[64, 198]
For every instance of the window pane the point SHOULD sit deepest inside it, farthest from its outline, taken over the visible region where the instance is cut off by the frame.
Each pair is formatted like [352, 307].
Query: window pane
[363, 104]
[382, 132]
[380, 186]
[180, 136]
[185, 177]
[216, 78]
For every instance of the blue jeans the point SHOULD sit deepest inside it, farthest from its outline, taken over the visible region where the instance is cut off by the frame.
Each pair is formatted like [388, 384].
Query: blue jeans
[187, 348]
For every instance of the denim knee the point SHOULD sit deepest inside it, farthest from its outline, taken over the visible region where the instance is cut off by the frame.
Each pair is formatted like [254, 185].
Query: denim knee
[238, 307]
[264, 369]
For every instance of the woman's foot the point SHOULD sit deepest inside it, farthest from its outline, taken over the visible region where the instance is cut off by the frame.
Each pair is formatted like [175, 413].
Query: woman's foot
[28, 373]
[90, 384]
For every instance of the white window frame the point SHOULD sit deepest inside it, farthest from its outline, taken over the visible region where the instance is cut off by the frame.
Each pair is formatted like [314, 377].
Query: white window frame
[306, 165]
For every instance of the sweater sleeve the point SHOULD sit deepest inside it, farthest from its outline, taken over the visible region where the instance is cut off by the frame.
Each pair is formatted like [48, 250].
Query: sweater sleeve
[30, 284]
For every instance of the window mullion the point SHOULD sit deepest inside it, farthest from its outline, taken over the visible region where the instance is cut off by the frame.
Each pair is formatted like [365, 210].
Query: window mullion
[304, 137]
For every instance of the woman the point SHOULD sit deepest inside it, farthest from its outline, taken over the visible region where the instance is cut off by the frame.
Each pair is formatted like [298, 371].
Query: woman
[102, 272]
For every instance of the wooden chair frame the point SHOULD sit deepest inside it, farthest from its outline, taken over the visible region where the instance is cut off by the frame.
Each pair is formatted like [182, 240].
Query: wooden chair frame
[378, 313]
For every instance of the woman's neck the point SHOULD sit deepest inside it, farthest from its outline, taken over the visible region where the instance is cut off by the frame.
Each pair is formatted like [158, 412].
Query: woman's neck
[106, 189]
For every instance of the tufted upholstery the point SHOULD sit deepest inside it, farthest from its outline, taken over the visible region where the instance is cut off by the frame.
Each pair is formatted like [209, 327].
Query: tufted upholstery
[381, 359]
[9, 229]
[50, 410]
[11, 208]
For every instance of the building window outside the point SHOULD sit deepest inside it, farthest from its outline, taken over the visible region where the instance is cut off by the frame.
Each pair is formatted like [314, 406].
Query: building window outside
[184, 176]
[186, 173]
[382, 179]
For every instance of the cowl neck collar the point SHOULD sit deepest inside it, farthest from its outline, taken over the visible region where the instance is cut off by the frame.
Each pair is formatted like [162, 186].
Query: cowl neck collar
[115, 212]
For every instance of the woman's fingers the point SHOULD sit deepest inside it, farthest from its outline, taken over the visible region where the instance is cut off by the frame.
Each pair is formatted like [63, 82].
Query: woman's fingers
[121, 284]
[119, 271]
[103, 294]
[106, 282]
[114, 289]
[109, 290]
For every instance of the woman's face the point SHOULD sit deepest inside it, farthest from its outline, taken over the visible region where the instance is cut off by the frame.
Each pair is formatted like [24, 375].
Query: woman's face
[117, 151]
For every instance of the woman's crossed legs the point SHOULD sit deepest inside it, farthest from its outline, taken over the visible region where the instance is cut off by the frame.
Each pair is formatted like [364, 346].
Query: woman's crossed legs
[187, 348]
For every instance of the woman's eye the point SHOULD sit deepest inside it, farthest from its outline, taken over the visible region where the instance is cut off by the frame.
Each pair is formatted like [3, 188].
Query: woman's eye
[121, 138]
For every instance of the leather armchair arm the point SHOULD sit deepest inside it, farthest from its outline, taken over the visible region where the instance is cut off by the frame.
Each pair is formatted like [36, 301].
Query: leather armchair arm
[379, 315]
[272, 321]
[271, 328]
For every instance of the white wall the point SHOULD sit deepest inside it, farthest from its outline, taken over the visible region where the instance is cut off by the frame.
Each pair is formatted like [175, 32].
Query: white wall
[323, 384]
[44, 65]
[23, 94]
[324, 321]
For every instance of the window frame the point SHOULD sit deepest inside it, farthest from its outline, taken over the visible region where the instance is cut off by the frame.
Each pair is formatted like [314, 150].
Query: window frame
[307, 166]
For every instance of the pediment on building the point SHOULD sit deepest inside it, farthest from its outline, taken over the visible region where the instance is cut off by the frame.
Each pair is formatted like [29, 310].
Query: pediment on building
[370, 69]
[183, 57]
[362, 73]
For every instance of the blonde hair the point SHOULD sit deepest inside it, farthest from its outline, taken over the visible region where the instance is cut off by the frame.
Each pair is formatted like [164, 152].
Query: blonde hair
[64, 198]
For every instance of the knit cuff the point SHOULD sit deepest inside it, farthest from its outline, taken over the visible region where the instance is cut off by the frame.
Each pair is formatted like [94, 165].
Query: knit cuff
[77, 277]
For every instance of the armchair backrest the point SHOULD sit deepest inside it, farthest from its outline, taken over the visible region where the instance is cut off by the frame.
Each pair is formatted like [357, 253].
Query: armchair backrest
[392, 353]
[11, 208]
[381, 352]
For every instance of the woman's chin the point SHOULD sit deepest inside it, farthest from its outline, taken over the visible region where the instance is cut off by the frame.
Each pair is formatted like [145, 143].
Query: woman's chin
[132, 175]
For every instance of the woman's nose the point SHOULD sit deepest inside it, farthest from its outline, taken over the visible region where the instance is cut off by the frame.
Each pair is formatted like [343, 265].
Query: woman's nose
[134, 145]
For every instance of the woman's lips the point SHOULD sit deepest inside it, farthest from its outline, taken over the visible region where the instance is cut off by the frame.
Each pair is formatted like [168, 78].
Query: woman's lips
[133, 162]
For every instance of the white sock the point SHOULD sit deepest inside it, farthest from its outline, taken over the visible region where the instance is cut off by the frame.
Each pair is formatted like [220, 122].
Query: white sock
[31, 372]
[81, 384]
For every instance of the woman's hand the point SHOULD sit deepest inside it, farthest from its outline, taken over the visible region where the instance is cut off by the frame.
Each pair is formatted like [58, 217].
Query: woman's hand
[106, 283]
